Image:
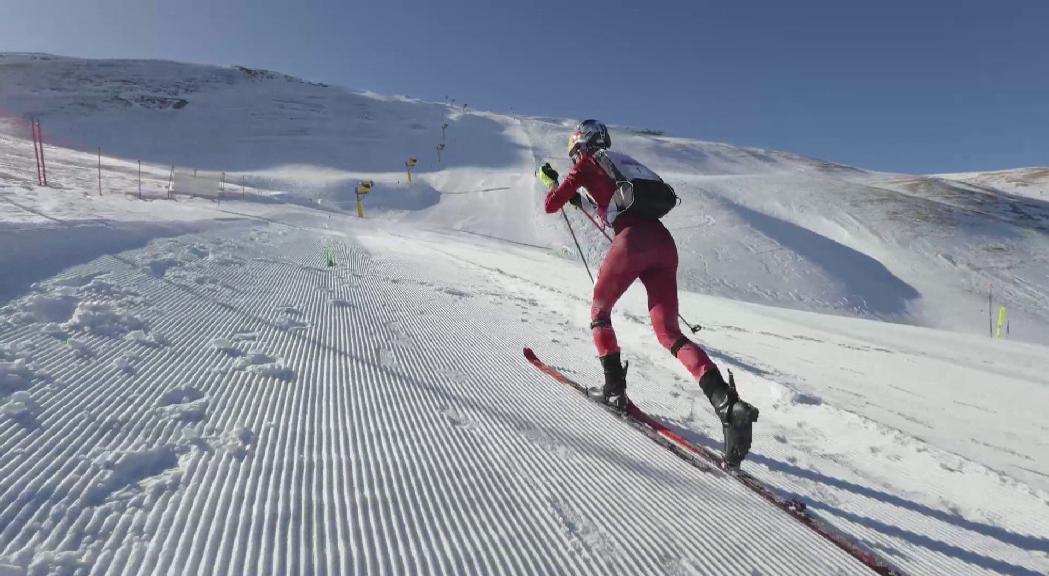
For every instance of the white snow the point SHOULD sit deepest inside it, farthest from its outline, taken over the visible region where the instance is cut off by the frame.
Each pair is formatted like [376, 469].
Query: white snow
[224, 345]
[81, 350]
[1029, 182]
[103, 319]
[124, 363]
[54, 307]
[14, 375]
[19, 406]
[145, 338]
[237, 441]
[185, 404]
[127, 470]
[264, 383]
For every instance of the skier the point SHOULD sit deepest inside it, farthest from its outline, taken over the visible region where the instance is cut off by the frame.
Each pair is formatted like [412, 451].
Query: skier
[628, 196]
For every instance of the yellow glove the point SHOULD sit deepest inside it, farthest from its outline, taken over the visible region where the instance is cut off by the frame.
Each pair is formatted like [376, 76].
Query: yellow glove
[547, 175]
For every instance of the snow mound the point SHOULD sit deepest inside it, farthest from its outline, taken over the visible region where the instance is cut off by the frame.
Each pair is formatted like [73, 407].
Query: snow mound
[15, 350]
[99, 289]
[57, 306]
[274, 370]
[160, 266]
[104, 319]
[55, 330]
[20, 407]
[237, 441]
[185, 404]
[166, 255]
[146, 338]
[180, 396]
[264, 365]
[224, 345]
[128, 469]
[77, 280]
[289, 324]
[123, 363]
[224, 259]
[81, 350]
[15, 376]
[54, 562]
[253, 358]
[195, 411]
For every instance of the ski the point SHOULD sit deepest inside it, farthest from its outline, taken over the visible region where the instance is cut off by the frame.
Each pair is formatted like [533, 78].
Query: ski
[710, 461]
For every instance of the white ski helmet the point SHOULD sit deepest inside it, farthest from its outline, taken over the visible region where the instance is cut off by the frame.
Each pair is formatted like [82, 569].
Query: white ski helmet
[588, 134]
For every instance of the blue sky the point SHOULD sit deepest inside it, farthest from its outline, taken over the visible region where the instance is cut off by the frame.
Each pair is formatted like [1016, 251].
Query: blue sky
[914, 86]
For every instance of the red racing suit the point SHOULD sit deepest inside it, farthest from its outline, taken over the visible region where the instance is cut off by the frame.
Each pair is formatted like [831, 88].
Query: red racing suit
[642, 249]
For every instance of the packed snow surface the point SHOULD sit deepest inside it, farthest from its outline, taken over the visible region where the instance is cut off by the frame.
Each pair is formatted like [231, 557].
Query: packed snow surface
[252, 380]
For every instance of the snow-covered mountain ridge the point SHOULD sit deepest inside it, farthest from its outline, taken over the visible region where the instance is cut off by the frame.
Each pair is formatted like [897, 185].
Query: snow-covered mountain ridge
[755, 225]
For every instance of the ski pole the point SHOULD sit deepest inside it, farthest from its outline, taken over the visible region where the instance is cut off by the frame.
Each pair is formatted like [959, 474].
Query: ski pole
[693, 327]
[596, 225]
[577, 247]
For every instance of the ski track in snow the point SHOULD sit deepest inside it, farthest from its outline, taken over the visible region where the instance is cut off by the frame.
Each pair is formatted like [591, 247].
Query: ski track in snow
[393, 428]
[224, 402]
[404, 442]
[818, 465]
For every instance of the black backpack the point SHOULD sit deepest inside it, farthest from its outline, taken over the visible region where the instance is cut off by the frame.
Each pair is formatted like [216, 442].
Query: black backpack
[643, 193]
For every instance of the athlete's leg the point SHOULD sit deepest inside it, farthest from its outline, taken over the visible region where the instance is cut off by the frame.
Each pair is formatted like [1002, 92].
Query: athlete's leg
[737, 417]
[616, 275]
[660, 282]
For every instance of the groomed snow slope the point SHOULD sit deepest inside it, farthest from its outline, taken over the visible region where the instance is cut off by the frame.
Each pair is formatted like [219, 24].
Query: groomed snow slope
[186, 387]
[225, 402]
[345, 420]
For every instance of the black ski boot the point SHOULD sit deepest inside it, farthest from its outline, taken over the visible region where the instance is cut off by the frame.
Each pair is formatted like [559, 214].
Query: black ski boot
[614, 391]
[737, 417]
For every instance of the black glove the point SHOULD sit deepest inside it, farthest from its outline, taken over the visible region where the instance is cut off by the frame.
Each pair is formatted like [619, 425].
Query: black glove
[576, 200]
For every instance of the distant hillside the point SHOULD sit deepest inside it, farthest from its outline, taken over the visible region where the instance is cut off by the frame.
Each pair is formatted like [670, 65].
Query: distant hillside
[755, 225]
